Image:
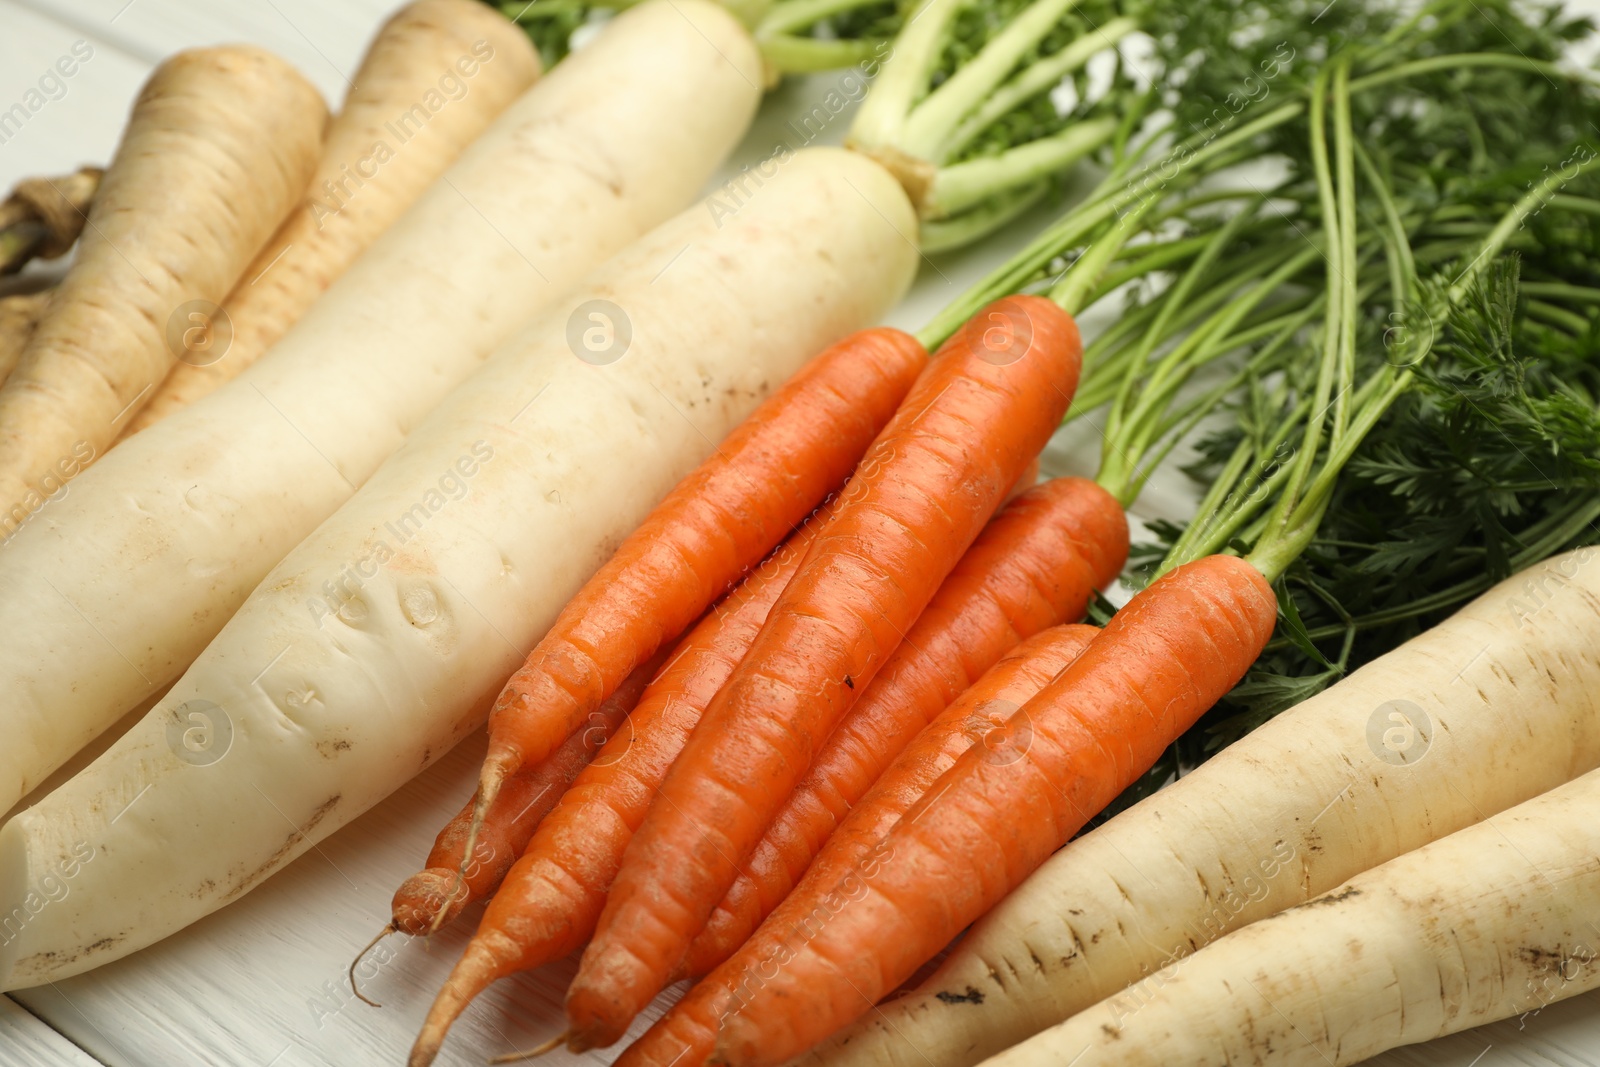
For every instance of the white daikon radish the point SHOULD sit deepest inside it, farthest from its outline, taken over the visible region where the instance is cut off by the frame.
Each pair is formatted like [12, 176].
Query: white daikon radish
[1492, 921]
[1499, 703]
[111, 591]
[378, 642]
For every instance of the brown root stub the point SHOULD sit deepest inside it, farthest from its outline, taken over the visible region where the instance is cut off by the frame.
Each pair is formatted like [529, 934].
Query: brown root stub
[914, 174]
[427, 900]
[45, 216]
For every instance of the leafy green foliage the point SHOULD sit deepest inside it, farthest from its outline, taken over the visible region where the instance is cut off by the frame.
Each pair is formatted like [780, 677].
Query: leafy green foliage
[1040, 116]
[549, 24]
[1489, 462]
[864, 22]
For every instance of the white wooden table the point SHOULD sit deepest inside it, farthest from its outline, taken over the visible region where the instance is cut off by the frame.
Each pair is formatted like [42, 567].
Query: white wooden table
[262, 983]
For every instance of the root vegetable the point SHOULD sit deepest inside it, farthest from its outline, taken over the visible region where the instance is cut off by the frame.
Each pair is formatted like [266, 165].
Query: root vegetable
[19, 315]
[1492, 921]
[687, 1034]
[1511, 691]
[922, 494]
[1177, 647]
[553, 894]
[219, 146]
[469, 541]
[722, 519]
[449, 881]
[1034, 566]
[396, 134]
[113, 590]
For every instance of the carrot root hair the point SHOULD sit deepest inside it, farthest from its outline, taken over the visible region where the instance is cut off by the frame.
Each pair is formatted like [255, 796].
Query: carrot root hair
[497, 767]
[533, 1053]
[356, 989]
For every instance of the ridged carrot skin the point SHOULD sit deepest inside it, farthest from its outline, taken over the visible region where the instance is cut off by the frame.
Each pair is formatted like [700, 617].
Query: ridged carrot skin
[550, 899]
[1165, 658]
[1034, 566]
[686, 1036]
[722, 519]
[983, 409]
[526, 798]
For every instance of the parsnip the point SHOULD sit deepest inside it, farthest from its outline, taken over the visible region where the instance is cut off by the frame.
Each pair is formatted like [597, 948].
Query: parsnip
[397, 132]
[220, 145]
[376, 644]
[1510, 687]
[1490, 922]
[113, 590]
[19, 317]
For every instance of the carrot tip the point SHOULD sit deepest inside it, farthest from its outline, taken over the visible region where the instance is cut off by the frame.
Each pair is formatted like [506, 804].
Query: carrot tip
[385, 932]
[538, 1050]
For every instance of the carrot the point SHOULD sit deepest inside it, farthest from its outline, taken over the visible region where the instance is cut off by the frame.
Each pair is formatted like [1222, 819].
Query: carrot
[220, 143]
[1035, 565]
[687, 1034]
[1286, 813]
[455, 63]
[550, 899]
[1164, 659]
[920, 497]
[449, 882]
[437, 894]
[1030, 478]
[720, 520]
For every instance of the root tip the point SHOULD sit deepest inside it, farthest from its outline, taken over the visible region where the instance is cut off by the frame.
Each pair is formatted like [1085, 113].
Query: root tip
[354, 987]
[538, 1050]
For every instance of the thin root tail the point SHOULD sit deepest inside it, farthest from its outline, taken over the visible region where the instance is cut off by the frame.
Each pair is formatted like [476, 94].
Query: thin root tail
[354, 988]
[538, 1050]
[494, 773]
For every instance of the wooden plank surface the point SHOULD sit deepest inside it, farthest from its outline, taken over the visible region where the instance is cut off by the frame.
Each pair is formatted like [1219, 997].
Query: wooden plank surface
[325, 40]
[25, 1039]
[70, 120]
[263, 981]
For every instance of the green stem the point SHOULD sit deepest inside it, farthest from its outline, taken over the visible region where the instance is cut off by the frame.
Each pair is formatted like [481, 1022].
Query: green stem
[1328, 367]
[1072, 291]
[790, 16]
[1178, 297]
[930, 124]
[1458, 60]
[1038, 77]
[1550, 535]
[1583, 294]
[941, 235]
[1149, 422]
[881, 121]
[790, 54]
[963, 185]
[1570, 321]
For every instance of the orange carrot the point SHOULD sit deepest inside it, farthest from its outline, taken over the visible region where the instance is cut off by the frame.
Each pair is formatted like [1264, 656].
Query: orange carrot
[1163, 660]
[720, 520]
[551, 897]
[923, 492]
[437, 894]
[1030, 478]
[1034, 566]
[686, 1035]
